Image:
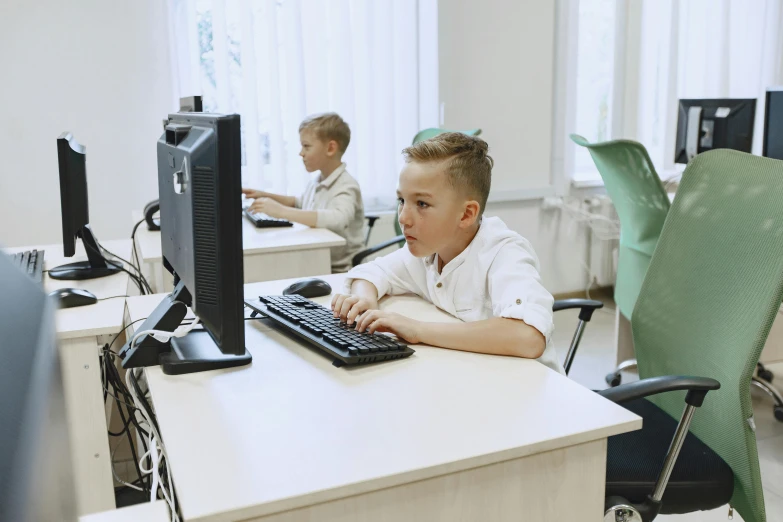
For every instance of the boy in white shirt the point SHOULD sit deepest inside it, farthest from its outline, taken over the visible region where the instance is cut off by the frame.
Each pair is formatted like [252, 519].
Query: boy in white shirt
[471, 267]
[331, 200]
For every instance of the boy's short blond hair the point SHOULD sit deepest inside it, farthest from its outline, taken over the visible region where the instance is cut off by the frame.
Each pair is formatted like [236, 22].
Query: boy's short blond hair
[327, 127]
[466, 160]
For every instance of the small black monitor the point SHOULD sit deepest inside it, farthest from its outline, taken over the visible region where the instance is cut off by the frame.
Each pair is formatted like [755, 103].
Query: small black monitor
[200, 191]
[709, 124]
[36, 475]
[773, 124]
[72, 162]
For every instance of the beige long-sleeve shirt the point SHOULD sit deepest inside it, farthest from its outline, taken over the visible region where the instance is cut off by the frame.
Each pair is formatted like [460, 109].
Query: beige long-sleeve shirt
[338, 202]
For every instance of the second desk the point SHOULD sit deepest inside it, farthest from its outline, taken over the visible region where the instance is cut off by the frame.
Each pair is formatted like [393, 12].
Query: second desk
[269, 253]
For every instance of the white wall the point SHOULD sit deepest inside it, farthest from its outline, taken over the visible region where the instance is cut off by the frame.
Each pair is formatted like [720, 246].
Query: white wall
[497, 72]
[100, 70]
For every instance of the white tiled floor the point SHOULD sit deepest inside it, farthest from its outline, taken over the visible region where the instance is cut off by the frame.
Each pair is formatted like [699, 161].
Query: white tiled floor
[596, 358]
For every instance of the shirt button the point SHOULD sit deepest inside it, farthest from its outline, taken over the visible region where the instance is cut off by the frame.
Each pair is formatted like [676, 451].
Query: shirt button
[439, 285]
[519, 301]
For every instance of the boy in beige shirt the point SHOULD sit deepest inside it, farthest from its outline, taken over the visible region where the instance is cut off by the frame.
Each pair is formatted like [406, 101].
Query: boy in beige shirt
[331, 200]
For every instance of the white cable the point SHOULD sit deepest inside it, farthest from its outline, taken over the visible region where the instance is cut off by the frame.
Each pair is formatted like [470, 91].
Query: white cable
[163, 336]
[155, 474]
[155, 443]
[604, 227]
[116, 477]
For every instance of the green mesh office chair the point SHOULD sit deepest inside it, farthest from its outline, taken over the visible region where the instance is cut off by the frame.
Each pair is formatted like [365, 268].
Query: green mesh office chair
[711, 292]
[642, 205]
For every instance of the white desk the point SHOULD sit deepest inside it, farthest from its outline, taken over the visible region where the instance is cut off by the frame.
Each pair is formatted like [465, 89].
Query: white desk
[441, 435]
[157, 511]
[81, 332]
[269, 253]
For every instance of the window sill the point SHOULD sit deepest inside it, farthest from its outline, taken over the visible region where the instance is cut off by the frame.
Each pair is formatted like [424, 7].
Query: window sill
[593, 179]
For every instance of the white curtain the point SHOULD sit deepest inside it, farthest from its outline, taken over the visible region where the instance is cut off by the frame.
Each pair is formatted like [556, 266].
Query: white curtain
[276, 61]
[704, 49]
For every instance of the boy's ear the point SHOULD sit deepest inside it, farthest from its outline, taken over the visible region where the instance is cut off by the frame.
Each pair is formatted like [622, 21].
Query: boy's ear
[332, 148]
[470, 214]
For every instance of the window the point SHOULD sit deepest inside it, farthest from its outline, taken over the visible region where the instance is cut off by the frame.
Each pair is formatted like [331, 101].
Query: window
[634, 60]
[276, 61]
[595, 79]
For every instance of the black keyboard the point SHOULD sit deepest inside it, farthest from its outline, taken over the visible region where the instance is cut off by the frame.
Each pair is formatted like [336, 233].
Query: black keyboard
[317, 325]
[30, 262]
[264, 221]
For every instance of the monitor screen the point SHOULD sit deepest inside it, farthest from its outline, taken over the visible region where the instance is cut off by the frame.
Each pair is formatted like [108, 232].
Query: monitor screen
[36, 476]
[773, 124]
[71, 158]
[200, 190]
[709, 124]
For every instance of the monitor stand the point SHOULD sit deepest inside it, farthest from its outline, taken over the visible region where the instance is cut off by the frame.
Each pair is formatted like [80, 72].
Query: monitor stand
[96, 265]
[195, 352]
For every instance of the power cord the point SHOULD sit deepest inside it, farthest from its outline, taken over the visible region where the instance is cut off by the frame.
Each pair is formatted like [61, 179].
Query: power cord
[157, 450]
[137, 268]
[134, 277]
[112, 297]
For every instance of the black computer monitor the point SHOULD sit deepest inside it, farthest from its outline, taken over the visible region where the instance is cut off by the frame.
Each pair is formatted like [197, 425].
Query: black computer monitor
[72, 160]
[704, 125]
[200, 190]
[36, 476]
[773, 124]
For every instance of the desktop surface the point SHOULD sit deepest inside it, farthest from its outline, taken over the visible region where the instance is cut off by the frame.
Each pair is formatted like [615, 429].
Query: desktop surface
[254, 240]
[292, 430]
[102, 318]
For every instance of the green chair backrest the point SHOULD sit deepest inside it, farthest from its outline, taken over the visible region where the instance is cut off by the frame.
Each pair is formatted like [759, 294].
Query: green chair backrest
[425, 135]
[641, 203]
[712, 291]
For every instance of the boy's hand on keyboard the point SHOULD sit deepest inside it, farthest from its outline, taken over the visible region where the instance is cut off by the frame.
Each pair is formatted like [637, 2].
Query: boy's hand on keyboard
[380, 321]
[253, 193]
[349, 307]
[267, 206]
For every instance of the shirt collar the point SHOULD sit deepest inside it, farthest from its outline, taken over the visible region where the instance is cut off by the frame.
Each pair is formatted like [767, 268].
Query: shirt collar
[458, 260]
[329, 181]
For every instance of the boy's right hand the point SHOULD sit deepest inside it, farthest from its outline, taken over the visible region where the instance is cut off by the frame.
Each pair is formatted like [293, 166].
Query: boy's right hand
[253, 193]
[349, 307]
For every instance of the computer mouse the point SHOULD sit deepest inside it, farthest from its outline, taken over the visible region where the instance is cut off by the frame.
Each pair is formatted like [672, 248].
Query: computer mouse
[309, 288]
[71, 297]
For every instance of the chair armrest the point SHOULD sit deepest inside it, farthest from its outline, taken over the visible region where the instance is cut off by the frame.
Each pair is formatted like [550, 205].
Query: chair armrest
[371, 219]
[359, 257]
[587, 306]
[697, 388]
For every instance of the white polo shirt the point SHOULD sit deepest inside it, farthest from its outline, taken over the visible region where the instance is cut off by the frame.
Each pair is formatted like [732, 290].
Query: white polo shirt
[495, 276]
[338, 202]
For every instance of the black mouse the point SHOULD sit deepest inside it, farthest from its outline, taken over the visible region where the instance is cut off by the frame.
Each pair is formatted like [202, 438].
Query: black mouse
[71, 297]
[309, 288]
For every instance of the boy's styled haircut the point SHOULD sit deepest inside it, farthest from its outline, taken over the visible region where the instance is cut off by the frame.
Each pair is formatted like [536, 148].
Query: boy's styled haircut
[467, 162]
[327, 127]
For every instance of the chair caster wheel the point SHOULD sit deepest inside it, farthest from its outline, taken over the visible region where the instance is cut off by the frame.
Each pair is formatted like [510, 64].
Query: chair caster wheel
[766, 375]
[613, 379]
[622, 513]
[779, 413]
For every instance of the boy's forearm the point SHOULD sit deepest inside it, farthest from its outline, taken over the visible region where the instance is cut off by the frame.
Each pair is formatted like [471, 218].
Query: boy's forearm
[305, 217]
[365, 289]
[496, 336]
[288, 201]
